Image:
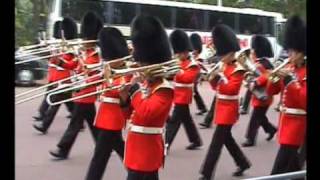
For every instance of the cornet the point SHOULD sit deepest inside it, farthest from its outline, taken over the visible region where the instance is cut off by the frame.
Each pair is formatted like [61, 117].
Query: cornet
[273, 77]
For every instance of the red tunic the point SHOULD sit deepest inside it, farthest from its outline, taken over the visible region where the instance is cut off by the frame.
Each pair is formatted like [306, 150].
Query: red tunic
[292, 127]
[145, 152]
[111, 116]
[227, 111]
[91, 59]
[57, 72]
[261, 82]
[186, 77]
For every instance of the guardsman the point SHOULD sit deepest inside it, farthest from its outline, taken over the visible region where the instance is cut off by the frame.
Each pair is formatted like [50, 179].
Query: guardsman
[44, 105]
[196, 42]
[207, 121]
[261, 50]
[84, 108]
[183, 82]
[151, 101]
[60, 68]
[111, 118]
[293, 86]
[227, 83]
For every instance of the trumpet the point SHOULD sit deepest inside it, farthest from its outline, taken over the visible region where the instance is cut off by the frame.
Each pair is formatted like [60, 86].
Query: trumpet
[154, 70]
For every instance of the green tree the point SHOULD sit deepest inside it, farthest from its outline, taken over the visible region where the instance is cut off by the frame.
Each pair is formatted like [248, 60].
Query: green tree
[29, 15]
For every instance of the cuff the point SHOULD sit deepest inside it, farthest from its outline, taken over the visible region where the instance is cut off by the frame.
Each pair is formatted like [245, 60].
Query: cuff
[133, 89]
[216, 78]
[252, 85]
[125, 103]
[287, 79]
[60, 63]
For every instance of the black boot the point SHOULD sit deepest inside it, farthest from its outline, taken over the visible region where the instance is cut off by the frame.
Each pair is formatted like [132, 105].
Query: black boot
[40, 128]
[271, 135]
[201, 112]
[59, 154]
[243, 111]
[37, 118]
[248, 143]
[194, 146]
[240, 170]
[69, 116]
[204, 125]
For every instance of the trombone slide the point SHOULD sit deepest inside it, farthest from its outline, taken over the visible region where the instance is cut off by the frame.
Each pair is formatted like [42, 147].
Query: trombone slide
[85, 95]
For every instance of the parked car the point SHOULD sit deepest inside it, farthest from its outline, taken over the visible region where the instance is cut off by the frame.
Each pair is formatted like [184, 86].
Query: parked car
[27, 73]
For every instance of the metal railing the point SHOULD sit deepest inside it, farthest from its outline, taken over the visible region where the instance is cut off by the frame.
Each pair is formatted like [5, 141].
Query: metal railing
[284, 176]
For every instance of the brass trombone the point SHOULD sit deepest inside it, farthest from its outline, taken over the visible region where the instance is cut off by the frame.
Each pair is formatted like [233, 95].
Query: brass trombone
[60, 85]
[83, 96]
[64, 46]
[161, 69]
[55, 42]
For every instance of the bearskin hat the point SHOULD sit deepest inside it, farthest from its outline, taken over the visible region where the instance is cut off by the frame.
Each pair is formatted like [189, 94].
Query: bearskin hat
[57, 30]
[90, 26]
[224, 40]
[261, 46]
[180, 41]
[112, 44]
[150, 40]
[295, 34]
[69, 28]
[196, 42]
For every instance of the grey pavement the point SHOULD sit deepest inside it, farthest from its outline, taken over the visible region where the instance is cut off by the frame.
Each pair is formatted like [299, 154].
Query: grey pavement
[33, 162]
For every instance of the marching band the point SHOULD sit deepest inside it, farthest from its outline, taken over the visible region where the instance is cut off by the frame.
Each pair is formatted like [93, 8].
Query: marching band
[134, 91]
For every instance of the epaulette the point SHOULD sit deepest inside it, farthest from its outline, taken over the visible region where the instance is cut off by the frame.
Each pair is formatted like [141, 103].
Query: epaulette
[96, 52]
[192, 63]
[164, 84]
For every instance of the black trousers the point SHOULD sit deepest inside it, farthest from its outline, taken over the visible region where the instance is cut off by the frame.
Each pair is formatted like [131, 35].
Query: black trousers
[246, 100]
[181, 114]
[259, 118]
[222, 136]
[303, 154]
[209, 117]
[287, 160]
[52, 110]
[138, 175]
[106, 142]
[81, 112]
[197, 97]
